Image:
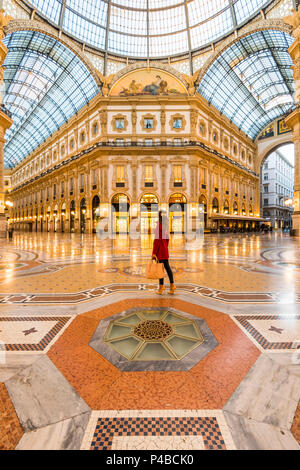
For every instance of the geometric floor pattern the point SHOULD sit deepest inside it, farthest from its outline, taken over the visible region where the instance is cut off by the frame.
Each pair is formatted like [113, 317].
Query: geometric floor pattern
[198, 430]
[267, 330]
[57, 392]
[30, 333]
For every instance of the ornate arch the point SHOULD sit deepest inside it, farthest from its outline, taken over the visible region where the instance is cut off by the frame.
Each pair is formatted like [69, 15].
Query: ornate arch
[260, 25]
[263, 155]
[33, 25]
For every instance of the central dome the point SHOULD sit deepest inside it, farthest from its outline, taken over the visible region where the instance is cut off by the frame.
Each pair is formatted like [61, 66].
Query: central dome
[148, 28]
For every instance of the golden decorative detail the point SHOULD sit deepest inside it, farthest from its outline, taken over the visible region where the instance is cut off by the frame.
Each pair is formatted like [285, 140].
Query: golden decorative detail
[106, 82]
[113, 123]
[294, 21]
[191, 79]
[156, 330]
[148, 116]
[4, 20]
[194, 119]
[173, 119]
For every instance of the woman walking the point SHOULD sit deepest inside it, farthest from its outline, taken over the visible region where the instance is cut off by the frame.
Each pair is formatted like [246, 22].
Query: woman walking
[161, 250]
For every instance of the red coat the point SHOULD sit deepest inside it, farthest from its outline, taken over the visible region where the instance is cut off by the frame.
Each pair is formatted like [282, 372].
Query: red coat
[161, 243]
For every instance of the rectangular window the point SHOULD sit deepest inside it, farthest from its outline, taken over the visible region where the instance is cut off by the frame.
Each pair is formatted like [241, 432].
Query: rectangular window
[266, 189]
[94, 177]
[120, 174]
[119, 123]
[177, 123]
[177, 174]
[266, 202]
[148, 174]
[71, 184]
[82, 180]
[62, 187]
[148, 123]
[266, 176]
[54, 190]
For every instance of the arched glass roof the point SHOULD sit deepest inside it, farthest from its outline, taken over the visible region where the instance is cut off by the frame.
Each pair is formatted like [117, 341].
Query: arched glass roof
[44, 85]
[251, 82]
[148, 28]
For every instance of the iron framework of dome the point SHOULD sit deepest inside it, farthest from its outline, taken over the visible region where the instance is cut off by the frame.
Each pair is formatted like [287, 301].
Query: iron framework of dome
[148, 28]
[251, 82]
[45, 84]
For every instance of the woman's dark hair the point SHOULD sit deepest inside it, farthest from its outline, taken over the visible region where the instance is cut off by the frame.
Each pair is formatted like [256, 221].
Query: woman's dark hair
[163, 219]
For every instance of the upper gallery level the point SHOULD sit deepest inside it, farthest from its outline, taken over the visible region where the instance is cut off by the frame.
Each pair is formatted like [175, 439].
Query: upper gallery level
[144, 108]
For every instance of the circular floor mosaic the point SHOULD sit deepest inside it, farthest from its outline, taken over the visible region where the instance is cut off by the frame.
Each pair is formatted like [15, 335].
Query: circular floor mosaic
[153, 339]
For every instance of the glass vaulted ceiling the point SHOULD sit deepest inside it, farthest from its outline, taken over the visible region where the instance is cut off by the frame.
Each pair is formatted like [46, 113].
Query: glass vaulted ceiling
[44, 85]
[148, 28]
[251, 82]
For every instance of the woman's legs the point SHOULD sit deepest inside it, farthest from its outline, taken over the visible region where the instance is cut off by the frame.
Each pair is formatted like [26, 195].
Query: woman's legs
[169, 272]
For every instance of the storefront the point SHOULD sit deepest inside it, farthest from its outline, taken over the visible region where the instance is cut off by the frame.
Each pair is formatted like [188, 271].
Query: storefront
[203, 202]
[148, 213]
[82, 215]
[177, 211]
[120, 213]
[95, 212]
[234, 223]
[72, 216]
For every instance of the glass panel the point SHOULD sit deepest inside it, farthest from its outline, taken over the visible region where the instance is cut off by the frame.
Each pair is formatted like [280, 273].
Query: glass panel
[181, 346]
[131, 320]
[126, 346]
[154, 352]
[171, 318]
[117, 331]
[187, 330]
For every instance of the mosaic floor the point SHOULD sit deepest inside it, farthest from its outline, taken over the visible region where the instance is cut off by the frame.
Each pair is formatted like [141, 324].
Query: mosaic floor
[76, 373]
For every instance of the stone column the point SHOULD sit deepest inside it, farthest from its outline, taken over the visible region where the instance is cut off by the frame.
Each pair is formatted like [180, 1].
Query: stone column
[293, 120]
[5, 123]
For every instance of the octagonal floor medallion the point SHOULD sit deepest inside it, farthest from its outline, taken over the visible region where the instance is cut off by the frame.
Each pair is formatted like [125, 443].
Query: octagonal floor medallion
[159, 338]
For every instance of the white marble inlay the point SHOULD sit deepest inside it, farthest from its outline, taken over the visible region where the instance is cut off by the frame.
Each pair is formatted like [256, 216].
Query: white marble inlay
[24, 332]
[158, 443]
[290, 329]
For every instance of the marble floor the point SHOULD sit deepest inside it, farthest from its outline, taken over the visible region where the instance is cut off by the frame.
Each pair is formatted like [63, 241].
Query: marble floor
[61, 387]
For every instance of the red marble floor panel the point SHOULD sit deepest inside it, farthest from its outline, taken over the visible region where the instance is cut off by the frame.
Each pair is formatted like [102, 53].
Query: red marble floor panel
[208, 385]
[10, 428]
[296, 425]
